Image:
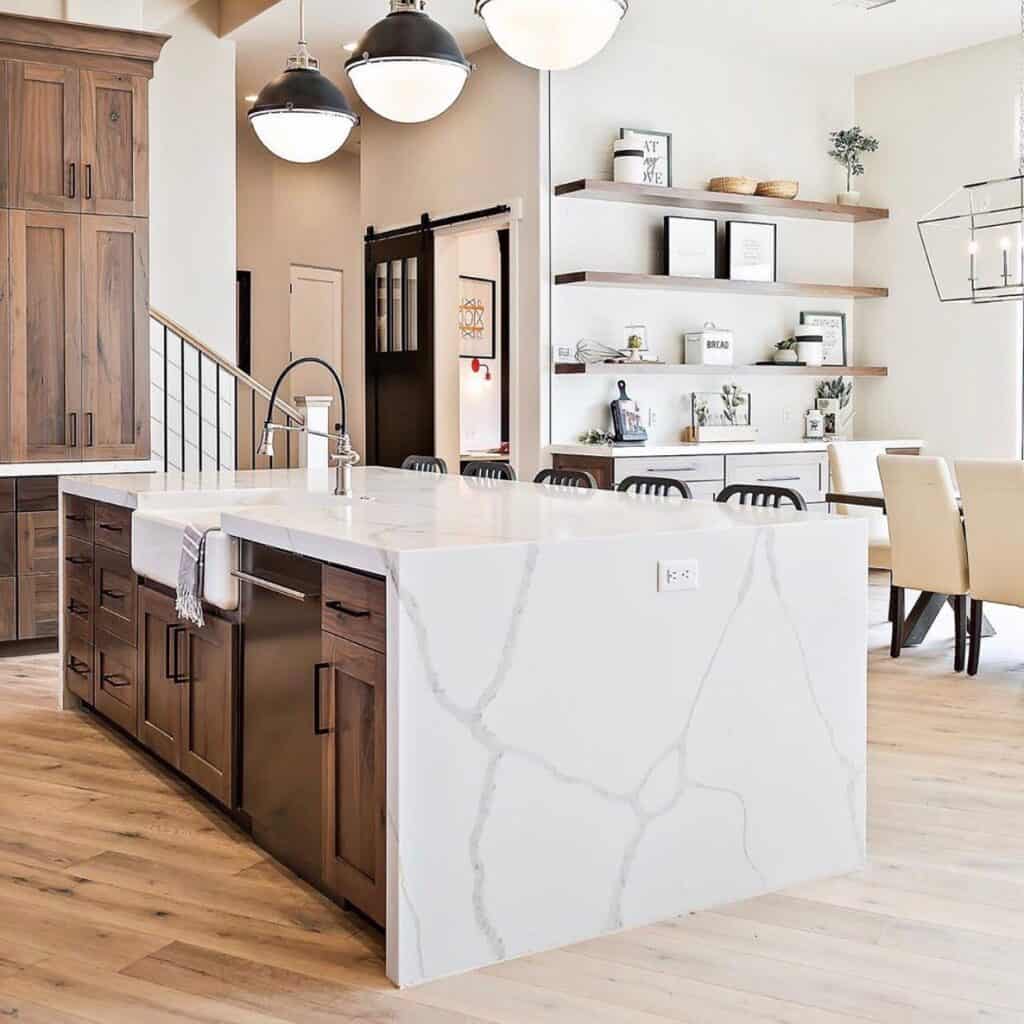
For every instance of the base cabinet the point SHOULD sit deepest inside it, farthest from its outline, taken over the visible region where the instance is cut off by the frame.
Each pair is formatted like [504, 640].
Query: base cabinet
[186, 693]
[354, 775]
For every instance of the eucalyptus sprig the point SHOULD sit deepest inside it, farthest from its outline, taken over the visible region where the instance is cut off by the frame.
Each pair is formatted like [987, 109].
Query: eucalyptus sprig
[847, 147]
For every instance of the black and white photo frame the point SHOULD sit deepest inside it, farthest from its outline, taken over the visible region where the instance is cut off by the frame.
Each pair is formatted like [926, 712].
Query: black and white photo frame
[691, 247]
[657, 150]
[752, 251]
[833, 334]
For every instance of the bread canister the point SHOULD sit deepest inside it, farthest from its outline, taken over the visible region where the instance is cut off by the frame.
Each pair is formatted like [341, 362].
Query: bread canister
[628, 161]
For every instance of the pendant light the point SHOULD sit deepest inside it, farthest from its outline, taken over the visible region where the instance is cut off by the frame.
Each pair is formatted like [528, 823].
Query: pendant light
[407, 67]
[974, 240]
[302, 116]
[552, 35]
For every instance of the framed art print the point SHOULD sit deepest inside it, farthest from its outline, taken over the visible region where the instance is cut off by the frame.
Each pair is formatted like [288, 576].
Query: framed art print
[690, 246]
[833, 333]
[657, 149]
[476, 318]
[752, 251]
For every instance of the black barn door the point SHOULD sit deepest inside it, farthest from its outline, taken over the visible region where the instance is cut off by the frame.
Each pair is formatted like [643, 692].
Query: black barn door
[399, 347]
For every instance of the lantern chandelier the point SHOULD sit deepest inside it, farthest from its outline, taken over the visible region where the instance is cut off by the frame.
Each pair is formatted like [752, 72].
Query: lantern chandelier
[974, 240]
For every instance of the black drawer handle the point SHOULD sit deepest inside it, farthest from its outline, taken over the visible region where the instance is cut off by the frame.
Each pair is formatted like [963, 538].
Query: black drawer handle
[76, 518]
[318, 729]
[355, 613]
[115, 595]
[80, 668]
[76, 608]
[115, 679]
[78, 560]
[172, 668]
[111, 529]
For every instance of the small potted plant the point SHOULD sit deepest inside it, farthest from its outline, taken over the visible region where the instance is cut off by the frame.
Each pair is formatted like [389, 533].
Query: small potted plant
[785, 352]
[847, 147]
[635, 345]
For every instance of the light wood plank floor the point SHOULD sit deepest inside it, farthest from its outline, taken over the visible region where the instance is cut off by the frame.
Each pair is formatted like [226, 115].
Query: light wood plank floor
[125, 900]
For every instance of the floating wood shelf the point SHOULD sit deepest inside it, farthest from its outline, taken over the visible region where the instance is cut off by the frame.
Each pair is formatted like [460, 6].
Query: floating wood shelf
[661, 282]
[667, 369]
[724, 202]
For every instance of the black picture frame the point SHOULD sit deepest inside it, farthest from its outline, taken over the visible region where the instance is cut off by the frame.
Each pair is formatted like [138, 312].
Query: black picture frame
[730, 235]
[712, 228]
[651, 133]
[488, 349]
[839, 316]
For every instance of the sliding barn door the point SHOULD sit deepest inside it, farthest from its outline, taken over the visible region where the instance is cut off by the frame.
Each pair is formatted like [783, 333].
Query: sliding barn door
[399, 347]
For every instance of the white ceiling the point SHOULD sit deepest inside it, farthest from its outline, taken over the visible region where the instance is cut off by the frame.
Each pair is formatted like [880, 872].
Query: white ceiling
[836, 32]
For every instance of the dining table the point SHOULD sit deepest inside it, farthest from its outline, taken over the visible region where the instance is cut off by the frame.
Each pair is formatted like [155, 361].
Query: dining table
[928, 605]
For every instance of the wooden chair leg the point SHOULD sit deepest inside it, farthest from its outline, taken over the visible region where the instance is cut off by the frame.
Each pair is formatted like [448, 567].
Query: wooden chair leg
[892, 600]
[899, 608]
[977, 620]
[960, 616]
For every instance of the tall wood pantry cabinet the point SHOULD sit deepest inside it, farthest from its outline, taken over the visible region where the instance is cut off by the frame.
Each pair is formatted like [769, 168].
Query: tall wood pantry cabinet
[74, 240]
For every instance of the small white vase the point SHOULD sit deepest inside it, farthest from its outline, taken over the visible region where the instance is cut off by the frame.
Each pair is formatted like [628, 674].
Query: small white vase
[848, 199]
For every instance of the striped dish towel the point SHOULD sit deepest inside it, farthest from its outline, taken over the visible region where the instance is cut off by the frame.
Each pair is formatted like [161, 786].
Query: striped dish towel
[191, 575]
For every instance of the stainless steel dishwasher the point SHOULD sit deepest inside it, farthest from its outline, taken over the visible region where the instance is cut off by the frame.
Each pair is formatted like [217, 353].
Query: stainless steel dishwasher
[281, 736]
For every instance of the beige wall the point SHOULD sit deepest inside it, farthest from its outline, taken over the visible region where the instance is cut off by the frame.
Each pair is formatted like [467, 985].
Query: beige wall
[306, 214]
[484, 151]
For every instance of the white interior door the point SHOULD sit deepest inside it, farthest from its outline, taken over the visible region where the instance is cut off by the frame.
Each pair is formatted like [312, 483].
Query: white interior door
[315, 329]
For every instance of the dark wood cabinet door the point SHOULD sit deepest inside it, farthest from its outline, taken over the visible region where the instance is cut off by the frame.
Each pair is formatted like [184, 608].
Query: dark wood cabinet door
[37, 606]
[45, 137]
[115, 598]
[5, 133]
[37, 543]
[5, 327]
[46, 341]
[9, 609]
[160, 645]
[115, 689]
[354, 711]
[115, 148]
[207, 662]
[8, 544]
[78, 665]
[115, 254]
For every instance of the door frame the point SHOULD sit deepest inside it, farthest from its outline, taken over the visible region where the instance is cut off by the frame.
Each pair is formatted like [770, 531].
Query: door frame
[339, 344]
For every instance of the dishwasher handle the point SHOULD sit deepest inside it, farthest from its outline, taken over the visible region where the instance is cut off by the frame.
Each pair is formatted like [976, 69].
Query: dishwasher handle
[318, 729]
[274, 588]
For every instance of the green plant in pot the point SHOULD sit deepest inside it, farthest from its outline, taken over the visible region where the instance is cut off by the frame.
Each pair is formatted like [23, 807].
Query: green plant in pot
[848, 146]
[785, 351]
[635, 345]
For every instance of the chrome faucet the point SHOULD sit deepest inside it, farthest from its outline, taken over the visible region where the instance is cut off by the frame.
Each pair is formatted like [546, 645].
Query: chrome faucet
[344, 456]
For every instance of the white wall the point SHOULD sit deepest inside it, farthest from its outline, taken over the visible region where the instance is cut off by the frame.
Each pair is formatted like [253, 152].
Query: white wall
[192, 207]
[484, 151]
[954, 370]
[305, 214]
[730, 113]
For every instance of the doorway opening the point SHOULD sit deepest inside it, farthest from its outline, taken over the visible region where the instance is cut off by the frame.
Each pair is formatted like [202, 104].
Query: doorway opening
[315, 325]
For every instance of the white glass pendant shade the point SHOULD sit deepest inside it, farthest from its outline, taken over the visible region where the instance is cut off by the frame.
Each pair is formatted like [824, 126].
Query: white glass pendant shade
[407, 67]
[552, 35]
[409, 91]
[302, 136]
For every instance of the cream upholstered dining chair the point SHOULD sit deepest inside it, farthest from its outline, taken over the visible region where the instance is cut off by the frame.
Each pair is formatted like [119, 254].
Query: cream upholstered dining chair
[929, 550]
[992, 491]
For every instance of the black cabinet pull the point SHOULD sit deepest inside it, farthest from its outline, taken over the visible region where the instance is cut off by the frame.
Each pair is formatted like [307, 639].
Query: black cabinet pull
[75, 608]
[115, 595]
[71, 181]
[88, 181]
[110, 528]
[77, 560]
[80, 668]
[115, 679]
[318, 730]
[88, 432]
[76, 518]
[355, 613]
[171, 638]
[73, 423]
[176, 674]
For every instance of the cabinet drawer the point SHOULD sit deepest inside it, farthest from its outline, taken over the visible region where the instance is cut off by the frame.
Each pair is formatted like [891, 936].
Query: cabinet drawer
[354, 607]
[8, 609]
[115, 595]
[78, 668]
[805, 472]
[79, 516]
[37, 494]
[78, 613]
[7, 483]
[114, 527]
[37, 606]
[37, 543]
[115, 686]
[684, 467]
[8, 544]
[78, 563]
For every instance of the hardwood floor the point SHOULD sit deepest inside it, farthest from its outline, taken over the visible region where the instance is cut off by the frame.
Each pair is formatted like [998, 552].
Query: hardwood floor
[125, 900]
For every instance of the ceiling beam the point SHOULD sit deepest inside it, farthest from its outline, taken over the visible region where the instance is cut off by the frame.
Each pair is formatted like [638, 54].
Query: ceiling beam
[235, 13]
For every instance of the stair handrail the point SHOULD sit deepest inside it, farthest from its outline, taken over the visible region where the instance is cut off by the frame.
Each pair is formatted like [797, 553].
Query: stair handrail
[240, 375]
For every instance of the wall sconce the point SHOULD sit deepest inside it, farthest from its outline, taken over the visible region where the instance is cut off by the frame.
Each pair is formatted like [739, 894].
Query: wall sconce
[477, 366]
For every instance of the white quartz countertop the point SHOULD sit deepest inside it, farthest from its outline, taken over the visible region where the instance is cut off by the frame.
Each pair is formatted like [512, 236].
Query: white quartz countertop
[647, 451]
[392, 511]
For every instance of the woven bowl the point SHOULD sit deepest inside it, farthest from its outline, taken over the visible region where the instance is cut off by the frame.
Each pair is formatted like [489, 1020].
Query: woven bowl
[779, 189]
[738, 186]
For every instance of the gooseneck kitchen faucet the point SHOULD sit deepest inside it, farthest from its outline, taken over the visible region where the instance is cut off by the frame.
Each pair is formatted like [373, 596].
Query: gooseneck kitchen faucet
[345, 456]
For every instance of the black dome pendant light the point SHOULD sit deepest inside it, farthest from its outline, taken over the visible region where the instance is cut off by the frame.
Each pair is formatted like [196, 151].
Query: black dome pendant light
[302, 116]
[407, 67]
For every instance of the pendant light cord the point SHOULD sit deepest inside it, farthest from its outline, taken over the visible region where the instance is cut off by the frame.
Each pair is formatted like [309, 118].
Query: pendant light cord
[302, 20]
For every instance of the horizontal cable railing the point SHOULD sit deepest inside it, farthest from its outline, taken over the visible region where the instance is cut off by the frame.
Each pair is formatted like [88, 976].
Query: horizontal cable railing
[207, 413]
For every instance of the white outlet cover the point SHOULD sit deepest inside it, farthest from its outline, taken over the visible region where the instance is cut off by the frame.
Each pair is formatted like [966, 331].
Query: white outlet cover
[678, 575]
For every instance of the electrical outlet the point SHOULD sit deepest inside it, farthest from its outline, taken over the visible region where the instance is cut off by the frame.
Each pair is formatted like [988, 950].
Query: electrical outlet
[787, 415]
[652, 417]
[678, 576]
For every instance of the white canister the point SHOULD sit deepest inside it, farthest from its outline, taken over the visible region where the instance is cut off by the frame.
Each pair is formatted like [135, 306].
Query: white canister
[708, 347]
[628, 161]
[810, 345]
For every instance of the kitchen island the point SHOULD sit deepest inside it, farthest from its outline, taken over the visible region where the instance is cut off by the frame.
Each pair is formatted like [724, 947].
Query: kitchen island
[571, 748]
